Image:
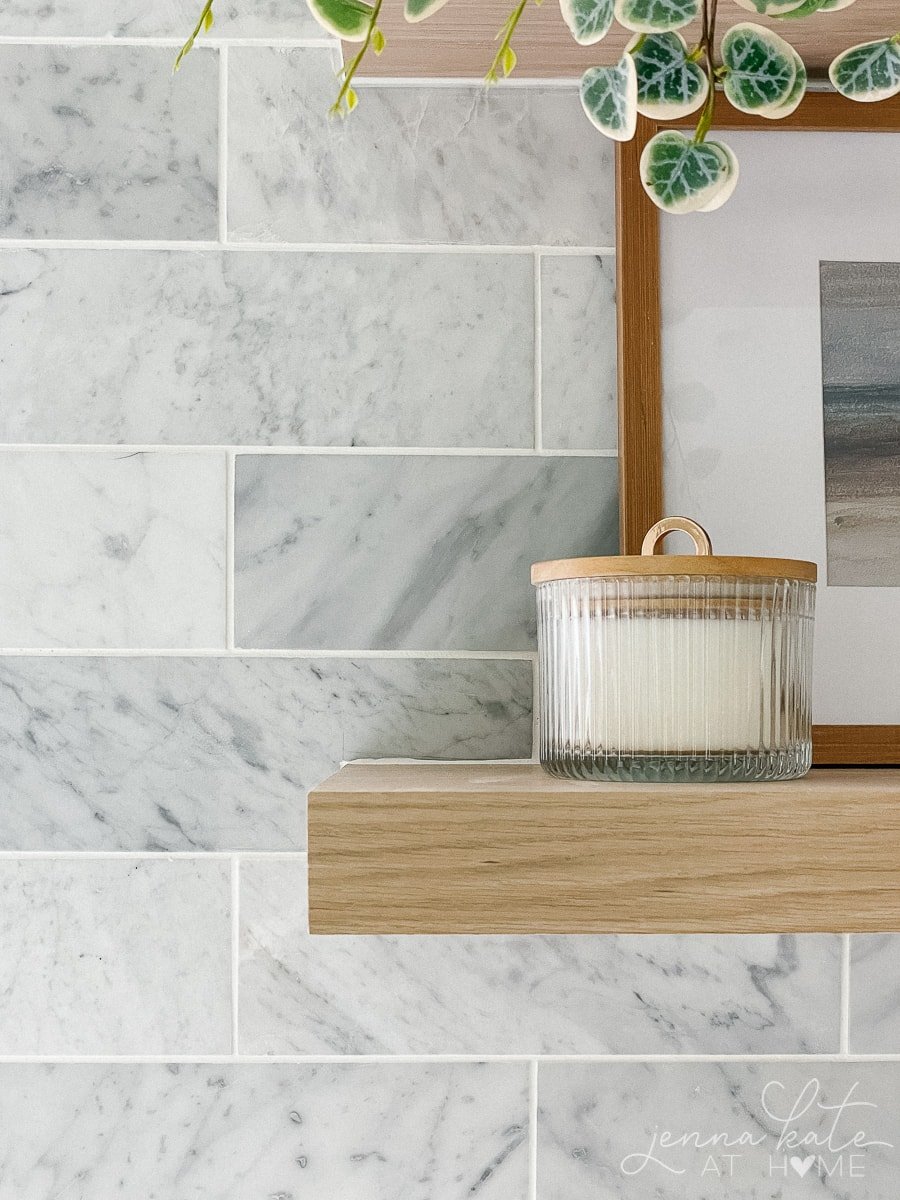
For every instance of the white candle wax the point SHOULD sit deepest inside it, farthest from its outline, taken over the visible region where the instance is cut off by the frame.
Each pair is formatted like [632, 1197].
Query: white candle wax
[653, 685]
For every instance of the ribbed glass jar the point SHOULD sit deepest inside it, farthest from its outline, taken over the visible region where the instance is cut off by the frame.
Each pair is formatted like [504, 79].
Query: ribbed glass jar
[669, 677]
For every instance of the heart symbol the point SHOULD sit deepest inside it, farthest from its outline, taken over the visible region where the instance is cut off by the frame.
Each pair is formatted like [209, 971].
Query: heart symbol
[802, 1165]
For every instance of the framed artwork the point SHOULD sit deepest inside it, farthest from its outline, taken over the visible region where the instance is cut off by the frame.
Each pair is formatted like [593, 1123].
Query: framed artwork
[759, 384]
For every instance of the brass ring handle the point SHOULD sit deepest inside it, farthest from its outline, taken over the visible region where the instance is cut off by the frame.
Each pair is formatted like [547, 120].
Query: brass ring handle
[695, 532]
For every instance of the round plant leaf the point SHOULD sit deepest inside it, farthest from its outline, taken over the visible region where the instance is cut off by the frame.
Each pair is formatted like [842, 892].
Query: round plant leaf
[669, 84]
[680, 175]
[656, 16]
[609, 97]
[730, 184]
[868, 72]
[836, 5]
[761, 68]
[768, 8]
[588, 20]
[806, 9]
[418, 10]
[347, 19]
[792, 103]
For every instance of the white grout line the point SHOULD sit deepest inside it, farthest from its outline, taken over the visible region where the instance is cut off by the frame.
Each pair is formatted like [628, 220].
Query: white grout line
[389, 1059]
[303, 247]
[153, 855]
[845, 994]
[206, 42]
[238, 652]
[223, 145]
[235, 948]
[532, 1129]
[538, 358]
[229, 550]
[124, 450]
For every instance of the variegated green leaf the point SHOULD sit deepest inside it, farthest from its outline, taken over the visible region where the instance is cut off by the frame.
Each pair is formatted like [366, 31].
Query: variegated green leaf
[761, 69]
[806, 9]
[868, 72]
[795, 96]
[609, 97]
[836, 5]
[680, 175]
[346, 19]
[656, 16]
[669, 84]
[726, 191]
[588, 20]
[418, 10]
[769, 8]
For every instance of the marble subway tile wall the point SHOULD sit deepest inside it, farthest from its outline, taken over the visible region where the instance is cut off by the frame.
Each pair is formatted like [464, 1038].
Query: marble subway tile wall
[289, 405]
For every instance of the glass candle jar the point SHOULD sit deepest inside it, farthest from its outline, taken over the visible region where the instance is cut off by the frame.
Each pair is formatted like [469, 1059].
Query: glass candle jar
[677, 667]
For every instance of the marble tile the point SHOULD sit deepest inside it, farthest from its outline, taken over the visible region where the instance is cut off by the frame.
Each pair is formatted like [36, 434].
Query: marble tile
[415, 164]
[875, 993]
[521, 995]
[162, 18]
[362, 1131]
[112, 550]
[412, 552]
[160, 346]
[102, 142]
[578, 352]
[706, 1130]
[217, 754]
[100, 958]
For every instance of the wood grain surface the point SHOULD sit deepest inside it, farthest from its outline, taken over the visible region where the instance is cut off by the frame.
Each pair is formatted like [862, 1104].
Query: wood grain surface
[458, 41]
[507, 849]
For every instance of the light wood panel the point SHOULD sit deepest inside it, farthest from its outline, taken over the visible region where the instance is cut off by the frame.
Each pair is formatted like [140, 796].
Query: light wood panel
[489, 849]
[458, 40]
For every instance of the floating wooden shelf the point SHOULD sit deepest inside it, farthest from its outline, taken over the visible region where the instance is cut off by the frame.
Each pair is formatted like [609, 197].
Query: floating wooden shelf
[507, 849]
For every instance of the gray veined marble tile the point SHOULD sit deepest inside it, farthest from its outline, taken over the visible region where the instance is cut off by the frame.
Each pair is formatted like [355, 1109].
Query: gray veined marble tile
[216, 753]
[266, 348]
[115, 956]
[521, 995]
[578, 352]
[875, 993]
[108, 550]
[362, 1131]
[161, 18]
[705, 1131]
[416, 164]
[103, 142]
[408, 552]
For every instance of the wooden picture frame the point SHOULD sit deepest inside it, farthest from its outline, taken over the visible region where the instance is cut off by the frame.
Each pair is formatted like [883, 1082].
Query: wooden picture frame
[640, 356]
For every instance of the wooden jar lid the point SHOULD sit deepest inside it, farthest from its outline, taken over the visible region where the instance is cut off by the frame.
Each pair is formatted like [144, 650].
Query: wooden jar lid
[648, 562]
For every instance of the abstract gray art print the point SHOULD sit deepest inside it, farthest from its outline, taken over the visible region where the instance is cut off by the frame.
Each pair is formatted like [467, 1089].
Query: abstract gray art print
[861, 395]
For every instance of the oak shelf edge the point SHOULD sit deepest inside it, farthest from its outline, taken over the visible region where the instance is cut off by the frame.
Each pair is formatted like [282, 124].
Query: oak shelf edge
[505, 848]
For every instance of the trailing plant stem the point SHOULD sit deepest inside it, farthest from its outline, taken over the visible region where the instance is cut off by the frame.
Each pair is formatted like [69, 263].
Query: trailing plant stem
[707, 49]
[203, 23]
[352, 67]
[509, 28]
